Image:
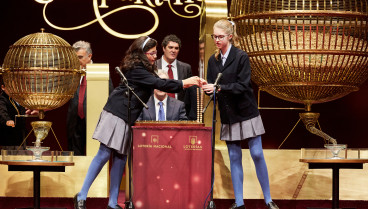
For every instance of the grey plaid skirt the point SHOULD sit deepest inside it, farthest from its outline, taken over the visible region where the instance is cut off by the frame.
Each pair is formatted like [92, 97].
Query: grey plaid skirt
[242, 130]
[113, 132]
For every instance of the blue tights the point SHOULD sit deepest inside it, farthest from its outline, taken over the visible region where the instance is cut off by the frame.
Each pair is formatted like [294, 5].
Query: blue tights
[235, 155]
[116, 173]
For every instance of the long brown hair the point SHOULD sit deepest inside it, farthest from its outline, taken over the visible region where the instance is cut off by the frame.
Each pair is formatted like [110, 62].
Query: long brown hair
[135, 55]
[229, 28]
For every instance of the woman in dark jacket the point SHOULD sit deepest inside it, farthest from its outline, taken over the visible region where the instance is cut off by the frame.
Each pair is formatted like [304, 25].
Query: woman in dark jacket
[240, 118]
[112, 129]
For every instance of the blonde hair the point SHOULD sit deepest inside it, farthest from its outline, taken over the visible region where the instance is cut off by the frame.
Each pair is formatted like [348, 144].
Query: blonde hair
[230, 28]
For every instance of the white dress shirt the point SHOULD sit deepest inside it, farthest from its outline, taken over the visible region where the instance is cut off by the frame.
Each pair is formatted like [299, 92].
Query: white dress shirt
[201, 69]
[174, 69]
[164, 104]
[224, 56]
[84, 69]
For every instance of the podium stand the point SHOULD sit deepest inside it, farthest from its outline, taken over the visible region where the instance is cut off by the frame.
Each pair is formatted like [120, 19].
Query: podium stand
[171, 166]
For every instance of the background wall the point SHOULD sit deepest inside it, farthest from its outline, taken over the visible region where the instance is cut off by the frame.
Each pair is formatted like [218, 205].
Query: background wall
[344, 119]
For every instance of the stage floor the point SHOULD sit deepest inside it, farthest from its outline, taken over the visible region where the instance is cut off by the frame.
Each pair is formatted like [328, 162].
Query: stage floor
[101, 203]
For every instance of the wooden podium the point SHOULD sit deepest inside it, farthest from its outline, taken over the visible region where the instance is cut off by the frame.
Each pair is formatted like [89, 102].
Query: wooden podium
[171, 166]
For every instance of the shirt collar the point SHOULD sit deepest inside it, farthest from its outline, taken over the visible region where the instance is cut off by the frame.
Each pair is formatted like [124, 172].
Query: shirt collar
[163, 101]
[227, 53]
[164, 63]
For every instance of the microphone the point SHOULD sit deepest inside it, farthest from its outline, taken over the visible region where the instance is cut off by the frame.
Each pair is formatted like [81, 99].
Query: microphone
[219, 75]
[117, 69]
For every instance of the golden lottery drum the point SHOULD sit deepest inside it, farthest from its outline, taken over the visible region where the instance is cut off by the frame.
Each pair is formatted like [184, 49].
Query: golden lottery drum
[41, 71]
[304, 51]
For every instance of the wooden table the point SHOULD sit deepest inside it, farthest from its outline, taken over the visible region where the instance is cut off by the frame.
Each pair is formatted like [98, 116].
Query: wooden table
[36, 167]
[335, 165]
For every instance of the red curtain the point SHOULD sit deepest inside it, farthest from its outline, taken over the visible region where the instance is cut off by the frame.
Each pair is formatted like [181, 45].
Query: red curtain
[171, 167]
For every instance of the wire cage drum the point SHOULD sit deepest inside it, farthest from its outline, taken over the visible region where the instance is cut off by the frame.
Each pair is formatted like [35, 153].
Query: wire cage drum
[304, 51]
[41, 71]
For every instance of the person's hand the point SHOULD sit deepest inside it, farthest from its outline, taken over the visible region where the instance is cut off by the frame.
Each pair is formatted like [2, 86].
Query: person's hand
[208, 88]
[194, 80]
[10, 123]
[203, 82]
[31, 112]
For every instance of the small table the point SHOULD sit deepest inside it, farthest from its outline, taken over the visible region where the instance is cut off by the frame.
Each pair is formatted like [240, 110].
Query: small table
[335, 165]
[36, 167]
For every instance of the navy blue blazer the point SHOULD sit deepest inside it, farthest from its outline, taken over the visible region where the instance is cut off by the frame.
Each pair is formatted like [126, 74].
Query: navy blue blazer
[175, 110]
[236, 100]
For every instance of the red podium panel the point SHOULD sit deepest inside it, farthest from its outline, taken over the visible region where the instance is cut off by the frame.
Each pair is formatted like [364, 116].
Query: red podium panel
[171, 167]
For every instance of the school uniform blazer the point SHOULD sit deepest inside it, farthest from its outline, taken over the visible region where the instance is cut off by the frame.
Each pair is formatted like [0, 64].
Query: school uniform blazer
[143, 83]
[236, 99]
[174, 110]
[184, 72]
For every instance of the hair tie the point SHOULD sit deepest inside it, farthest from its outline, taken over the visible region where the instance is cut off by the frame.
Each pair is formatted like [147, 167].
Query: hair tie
[232, 23]
[145, 42]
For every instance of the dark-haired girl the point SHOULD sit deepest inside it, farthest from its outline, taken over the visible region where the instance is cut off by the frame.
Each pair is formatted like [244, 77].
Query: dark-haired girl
[112, 130]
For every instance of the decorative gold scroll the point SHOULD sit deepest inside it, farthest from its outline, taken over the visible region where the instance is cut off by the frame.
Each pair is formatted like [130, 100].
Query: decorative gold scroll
[192, 9]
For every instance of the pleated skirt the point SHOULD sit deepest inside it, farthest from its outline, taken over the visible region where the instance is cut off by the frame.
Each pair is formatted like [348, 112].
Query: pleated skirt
[113, 132]
[242, 130]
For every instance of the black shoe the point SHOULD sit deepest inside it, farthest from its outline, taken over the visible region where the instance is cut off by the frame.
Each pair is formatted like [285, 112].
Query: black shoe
[116, 207]
[234, 206]
[81, 204]
[272, 205]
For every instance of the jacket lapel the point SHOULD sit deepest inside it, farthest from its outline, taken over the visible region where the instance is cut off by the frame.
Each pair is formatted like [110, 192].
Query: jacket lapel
[179, 70]
[230, 58]
[219, 64]
[152, 108]
[169, 109]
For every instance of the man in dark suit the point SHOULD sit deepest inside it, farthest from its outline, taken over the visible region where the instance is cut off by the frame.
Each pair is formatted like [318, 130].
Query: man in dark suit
[161, 107]
[12, 128]
[171, 45]
[76, 117]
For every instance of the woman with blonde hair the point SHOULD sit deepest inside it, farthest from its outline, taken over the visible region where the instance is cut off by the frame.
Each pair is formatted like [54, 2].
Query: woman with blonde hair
[240, 118]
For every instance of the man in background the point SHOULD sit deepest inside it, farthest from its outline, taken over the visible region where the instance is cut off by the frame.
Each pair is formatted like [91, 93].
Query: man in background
[201, 59]
[12, 128]
[161, 107]
[76, 116]
[174, 68]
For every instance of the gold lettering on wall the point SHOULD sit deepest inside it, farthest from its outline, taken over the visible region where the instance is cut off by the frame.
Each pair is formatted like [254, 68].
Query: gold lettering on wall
[43, 1]
[191, 10]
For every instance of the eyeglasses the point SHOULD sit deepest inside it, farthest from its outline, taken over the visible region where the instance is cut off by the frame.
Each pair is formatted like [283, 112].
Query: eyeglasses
[220, 37]
[152, 53]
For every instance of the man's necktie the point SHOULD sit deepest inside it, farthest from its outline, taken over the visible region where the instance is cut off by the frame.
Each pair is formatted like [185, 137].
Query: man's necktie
[171, 76]
[161, 112]
[82, 91]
